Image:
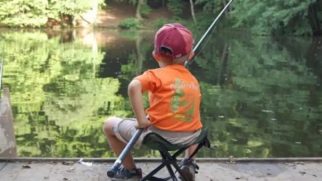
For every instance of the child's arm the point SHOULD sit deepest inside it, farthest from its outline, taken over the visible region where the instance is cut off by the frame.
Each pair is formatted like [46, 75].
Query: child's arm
[136, 99]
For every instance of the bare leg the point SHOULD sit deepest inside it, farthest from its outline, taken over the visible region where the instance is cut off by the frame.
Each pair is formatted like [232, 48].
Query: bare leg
[190, 150]
[117, 145]
[189, 167]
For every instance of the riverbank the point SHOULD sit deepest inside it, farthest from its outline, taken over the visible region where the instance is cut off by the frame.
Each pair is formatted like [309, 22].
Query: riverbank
[284, 169]
[117, 12]
[109, 17]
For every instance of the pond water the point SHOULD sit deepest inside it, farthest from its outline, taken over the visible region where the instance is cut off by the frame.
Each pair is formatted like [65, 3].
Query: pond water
[262, 96]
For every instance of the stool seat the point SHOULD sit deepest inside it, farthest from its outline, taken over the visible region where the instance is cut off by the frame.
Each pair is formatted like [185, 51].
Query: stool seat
[156, 142]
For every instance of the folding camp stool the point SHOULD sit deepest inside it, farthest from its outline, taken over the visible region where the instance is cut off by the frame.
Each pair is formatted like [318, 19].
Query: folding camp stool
[156, 142]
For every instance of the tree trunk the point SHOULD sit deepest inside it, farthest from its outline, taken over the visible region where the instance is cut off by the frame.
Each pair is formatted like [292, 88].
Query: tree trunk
[192, 11]
[140, 55]
[314, 19]
[222, 73]
[163, 3]
[313, 60]
[94, 11]
[139, 5]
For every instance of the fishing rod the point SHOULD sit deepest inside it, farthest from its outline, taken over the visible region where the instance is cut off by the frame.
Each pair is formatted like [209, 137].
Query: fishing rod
[198, 47]
[118, 162]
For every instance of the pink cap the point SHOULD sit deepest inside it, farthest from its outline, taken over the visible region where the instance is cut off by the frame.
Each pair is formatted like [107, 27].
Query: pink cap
[173, 40]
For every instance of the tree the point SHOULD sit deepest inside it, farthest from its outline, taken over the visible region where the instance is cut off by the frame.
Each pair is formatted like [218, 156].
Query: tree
[57, 100]
[139, 5]
[267, 99]
[142, 7]
[278, 17]
[23, 13]
[192, 10]
[314, 20]
[36, 13]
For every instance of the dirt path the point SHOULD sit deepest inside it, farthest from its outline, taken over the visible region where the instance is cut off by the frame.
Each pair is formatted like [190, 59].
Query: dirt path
[116, 12]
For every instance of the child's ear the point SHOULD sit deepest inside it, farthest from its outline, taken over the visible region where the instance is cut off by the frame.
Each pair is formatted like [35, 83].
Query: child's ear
[156, 56]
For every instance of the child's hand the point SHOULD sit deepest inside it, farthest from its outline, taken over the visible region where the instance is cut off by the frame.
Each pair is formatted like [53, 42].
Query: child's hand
[143, 124]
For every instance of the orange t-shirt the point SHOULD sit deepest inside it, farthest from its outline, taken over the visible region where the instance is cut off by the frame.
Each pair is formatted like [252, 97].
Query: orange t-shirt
[174, 97]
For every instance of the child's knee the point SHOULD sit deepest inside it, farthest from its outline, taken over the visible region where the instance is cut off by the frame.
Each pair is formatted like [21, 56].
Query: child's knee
[109, 123]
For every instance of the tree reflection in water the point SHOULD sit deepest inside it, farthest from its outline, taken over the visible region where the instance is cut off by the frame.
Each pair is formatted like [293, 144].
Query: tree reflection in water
[261, 96]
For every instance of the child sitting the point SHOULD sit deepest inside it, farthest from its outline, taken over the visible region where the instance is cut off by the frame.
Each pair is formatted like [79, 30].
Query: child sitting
[174, 101]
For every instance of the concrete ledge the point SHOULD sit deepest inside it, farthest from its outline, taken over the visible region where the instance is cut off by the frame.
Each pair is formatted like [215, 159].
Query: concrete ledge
[7, 137]
[146, 159]
[211, 169]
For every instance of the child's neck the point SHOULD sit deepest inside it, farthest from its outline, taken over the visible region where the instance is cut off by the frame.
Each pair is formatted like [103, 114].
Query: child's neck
[164, 64]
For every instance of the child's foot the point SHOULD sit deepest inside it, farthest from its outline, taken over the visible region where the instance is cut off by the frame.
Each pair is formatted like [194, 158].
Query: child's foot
[129, 175]
[189, 169]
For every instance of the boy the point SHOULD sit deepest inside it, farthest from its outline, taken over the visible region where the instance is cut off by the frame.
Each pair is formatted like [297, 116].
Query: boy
[174, 101]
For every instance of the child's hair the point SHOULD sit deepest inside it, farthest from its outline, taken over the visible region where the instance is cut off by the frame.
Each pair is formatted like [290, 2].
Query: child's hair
[173, 41]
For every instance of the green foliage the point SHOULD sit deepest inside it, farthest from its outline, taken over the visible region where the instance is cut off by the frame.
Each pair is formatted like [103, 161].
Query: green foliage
[35, 13]
[275, 16]
[265, 17]
[23, 13]
[262, 17]
[159, 23]
[57, 7]
[145, 10]
[59, 104]
[210, 6]
[130, 24]
[176, 7]
[257, 100]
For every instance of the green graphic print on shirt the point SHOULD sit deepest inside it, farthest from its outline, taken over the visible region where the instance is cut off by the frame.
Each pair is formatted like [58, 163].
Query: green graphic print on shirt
[179, 100]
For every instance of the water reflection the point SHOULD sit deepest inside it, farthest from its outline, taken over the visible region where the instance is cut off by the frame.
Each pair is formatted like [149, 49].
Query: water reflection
[261, 96]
